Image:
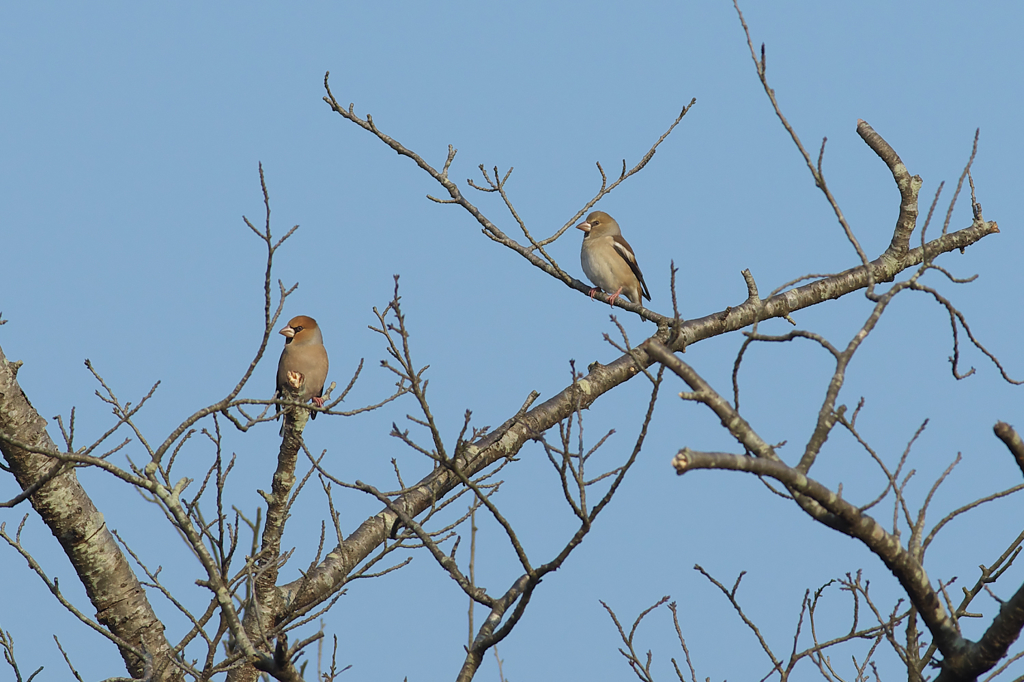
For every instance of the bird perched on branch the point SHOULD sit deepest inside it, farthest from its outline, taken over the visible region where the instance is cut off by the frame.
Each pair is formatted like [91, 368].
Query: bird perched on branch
[305, 359]
[609, 261]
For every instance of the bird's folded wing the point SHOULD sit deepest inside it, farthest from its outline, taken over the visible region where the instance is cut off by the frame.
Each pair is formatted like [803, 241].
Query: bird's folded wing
[623, 248]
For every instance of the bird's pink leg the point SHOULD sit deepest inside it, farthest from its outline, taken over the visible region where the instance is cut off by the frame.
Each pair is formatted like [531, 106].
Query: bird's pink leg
[318, 401]
[611, 301]
[592, 292]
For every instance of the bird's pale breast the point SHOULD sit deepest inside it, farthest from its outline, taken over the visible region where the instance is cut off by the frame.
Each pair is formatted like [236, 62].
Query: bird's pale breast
[600, 271]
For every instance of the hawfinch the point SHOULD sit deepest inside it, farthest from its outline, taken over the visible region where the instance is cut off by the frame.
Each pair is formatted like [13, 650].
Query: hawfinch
[609, 261]
[304, 354]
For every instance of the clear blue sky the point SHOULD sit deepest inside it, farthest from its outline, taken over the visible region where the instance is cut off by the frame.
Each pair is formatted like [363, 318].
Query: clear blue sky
[130, 141]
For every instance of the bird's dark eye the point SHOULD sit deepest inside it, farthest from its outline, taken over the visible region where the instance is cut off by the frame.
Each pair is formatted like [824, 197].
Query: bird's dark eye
[298, 329]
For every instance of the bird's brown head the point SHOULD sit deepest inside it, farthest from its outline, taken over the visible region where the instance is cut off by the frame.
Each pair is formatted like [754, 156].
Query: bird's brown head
[302, 328]
[599, 223]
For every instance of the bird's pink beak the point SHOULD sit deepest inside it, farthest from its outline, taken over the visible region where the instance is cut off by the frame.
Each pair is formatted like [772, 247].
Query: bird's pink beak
[287, 331]
[585, 226]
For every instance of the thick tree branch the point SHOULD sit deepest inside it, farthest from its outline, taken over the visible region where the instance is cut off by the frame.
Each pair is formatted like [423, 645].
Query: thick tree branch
[114, 590]
[981, 656]
[855, 524]
[908, 185]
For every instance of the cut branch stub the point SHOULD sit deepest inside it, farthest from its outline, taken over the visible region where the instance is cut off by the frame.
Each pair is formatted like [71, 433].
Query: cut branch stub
[1012, 439]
